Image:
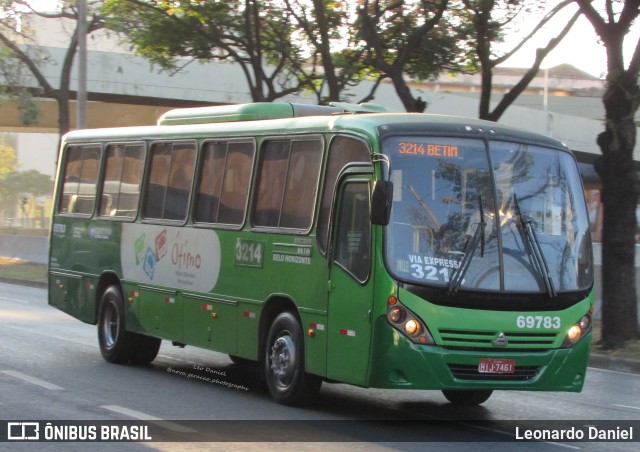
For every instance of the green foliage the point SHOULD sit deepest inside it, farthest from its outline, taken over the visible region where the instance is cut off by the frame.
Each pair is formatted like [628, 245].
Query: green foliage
[251, 33]
[8, 160]
[402, 36]
[15, 185]
[29, 111]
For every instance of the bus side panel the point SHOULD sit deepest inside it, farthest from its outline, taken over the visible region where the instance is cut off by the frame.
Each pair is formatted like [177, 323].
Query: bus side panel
[248, 318]
[161, 312]
[167, 261]
[279, 270]
[80, 250]
[66, 294]
[210, 323]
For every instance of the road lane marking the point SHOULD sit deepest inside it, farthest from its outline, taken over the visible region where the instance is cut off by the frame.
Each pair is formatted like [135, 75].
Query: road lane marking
[614, 371]
[626, 406]
[149, 418]
[32, 380]
[13, 299]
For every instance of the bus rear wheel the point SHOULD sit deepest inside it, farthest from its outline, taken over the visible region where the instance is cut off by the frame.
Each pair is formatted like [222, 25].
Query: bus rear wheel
[286, 378]
[117, 345]
[467, 397]
[145, 349]
[115, 342]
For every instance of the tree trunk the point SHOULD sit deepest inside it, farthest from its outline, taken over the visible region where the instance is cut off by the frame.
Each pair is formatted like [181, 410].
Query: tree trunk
[324, 46]
[410, 103]
[619, 197]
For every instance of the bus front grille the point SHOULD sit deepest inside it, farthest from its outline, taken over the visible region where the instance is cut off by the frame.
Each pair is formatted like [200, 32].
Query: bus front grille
[496, 340]
[470, 372]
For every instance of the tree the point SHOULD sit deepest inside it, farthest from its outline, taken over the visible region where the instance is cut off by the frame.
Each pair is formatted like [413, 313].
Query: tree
[17, 186]
[8, 159]
[255, 34]
[22, 48]
[489, 18]
[336, 60]
[409, 38]
[616, 170]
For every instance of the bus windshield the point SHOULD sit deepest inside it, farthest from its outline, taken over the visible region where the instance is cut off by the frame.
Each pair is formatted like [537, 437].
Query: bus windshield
[494, 216]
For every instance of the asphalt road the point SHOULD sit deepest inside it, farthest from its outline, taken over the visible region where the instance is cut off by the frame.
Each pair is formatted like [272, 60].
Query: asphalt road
[51, 369]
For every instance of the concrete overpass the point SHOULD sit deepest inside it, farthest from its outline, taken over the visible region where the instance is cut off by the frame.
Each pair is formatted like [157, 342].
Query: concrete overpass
[127, 90]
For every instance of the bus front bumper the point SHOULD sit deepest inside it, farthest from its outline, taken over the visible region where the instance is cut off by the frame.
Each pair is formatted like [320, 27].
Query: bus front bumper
[400, 364]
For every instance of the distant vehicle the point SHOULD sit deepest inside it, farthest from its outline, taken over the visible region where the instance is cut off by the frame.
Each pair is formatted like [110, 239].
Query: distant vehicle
[341, 243]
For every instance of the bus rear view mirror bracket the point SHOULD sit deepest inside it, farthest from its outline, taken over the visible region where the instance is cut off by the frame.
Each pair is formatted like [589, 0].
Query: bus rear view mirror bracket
[381, 200]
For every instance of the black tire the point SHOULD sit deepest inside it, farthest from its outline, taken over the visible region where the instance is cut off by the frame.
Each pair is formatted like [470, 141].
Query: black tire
[239, 361]
[287, 381]
[115, 342]
[467, 397]
[145, 348]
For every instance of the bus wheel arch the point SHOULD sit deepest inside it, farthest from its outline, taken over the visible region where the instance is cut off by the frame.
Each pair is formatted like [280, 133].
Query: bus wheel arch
[106, 280]
[272, 309]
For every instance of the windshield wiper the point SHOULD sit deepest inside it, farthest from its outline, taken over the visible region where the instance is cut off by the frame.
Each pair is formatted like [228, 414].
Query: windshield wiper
[535, 250]
[470, 249]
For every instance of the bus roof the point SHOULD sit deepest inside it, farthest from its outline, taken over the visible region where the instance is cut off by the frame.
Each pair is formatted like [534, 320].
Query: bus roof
[276, 118]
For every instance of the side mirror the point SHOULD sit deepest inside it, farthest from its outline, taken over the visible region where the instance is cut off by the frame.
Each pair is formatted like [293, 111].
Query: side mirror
[381, 201]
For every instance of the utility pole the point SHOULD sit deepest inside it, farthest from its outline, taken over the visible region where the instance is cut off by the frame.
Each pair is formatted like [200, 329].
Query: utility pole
[81, 97]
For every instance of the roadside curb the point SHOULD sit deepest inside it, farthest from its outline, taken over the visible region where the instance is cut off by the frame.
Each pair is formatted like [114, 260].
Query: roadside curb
[614, 363]
[23, 282]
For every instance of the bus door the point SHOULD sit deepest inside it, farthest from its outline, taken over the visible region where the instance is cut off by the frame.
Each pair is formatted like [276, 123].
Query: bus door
[350, 285]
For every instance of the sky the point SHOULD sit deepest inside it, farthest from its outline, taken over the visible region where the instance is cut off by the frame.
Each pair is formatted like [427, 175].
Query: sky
[580, 47]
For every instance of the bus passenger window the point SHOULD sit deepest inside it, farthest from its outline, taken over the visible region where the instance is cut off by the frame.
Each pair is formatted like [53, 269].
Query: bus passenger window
[288, 182]
[273, 172]
[225, 177]
[237, 178]
[80, 178]
[124, 167]
[169, 185]
[302, 179]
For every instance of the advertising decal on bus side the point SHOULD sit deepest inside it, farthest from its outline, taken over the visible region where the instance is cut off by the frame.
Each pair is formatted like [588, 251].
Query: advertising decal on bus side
[179, 257]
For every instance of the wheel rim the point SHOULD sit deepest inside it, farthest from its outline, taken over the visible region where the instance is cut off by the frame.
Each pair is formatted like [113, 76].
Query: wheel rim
[110, 325]
[283, 360]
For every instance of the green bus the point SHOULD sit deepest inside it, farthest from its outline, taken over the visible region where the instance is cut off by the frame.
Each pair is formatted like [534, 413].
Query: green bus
[336, 243]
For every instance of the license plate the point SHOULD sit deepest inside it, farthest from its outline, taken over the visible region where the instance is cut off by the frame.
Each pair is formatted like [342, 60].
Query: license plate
[497, 366]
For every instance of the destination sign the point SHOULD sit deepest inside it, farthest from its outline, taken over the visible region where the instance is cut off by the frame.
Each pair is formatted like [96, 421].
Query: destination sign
[428, 149]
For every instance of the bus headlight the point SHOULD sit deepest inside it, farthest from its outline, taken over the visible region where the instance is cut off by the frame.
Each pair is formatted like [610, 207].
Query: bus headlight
[395, 315]
[407, 323]
[574, 333]
[577, 331]
[412, 328]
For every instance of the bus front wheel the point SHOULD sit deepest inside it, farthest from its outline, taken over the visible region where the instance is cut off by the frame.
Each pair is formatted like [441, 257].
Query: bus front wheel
[284, 368]
[467, 397]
